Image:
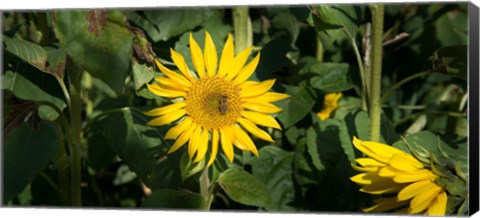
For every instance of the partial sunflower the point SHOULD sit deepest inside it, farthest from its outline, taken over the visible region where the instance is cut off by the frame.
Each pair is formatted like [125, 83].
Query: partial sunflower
[217, 103]
[330, 103]
[402, 181]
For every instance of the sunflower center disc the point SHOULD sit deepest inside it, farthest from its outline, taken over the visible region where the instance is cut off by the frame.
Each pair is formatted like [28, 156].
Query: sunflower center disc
[213, 102]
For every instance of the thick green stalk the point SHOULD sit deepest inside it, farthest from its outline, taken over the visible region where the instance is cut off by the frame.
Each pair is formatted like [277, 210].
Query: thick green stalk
[76, 127]
[376, 74]
[319, 51]
[242, 24]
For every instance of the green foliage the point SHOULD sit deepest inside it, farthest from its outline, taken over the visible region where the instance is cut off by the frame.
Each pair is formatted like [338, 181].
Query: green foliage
[27, 151]
[82, 74]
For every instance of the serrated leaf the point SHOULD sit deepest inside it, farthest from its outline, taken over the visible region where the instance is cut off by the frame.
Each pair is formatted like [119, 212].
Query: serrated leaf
[297, 106]
[274, 168]
[331, 77]
[244, 188]
[168, 198]
[27, 51]
[26, 152]
[172, 22]
[98, 41]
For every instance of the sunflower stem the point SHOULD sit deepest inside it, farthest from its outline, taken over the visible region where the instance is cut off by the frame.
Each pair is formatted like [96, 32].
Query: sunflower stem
[376, 75]
[204, 188]
[242, 28]
[319, 51]
[75, 142]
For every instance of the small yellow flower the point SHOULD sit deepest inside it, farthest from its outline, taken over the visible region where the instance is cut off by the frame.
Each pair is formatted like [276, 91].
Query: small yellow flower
[330, 103]
[216, 103]
[389, 170]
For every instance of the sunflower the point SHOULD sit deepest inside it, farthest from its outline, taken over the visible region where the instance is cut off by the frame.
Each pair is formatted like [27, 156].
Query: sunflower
[330, 103]
[390, 171]
[216, 104]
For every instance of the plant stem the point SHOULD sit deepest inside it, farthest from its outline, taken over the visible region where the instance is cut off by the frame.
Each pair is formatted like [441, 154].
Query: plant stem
[397, 85]
[76, 128]
[319, 51]
[361, 70]
[376, 75]
[242, 28]
[204, 186]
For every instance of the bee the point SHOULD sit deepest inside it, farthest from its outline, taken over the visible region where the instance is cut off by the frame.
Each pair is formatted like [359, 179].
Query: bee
[222, 104]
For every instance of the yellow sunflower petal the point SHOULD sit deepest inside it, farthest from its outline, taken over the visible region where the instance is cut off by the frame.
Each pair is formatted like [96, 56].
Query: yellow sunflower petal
[263, 107]
[414, 189]
[175, 131]
[421, 201]
[227, 57]
[168, 118]
[438, 206]
[170, 83]
[385, 204]
[365, 169]
[271, 97]
[261, 119]
[379, 151]
[369, 162]
[238, 63]
[197, 57]
[387, 171]
[256, 88]
[405, 162]
[202, 146]
[194, 142]
[245, 140]
[184, 137]
[227, 146]
[213, 155]
[172, 74]
[247, 71]
[365, 178]
[210, 52]
[413, 176]
[161, 91]
[181, 64]
[382, 186]
[252, 128]
[166, 109]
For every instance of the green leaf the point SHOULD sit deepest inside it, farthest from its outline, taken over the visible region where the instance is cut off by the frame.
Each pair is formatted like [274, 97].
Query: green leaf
[98, 41]
[173, 22]
[297, 106]
[451, 60]
[188, 168]
[27, 51]
[331, 21]
[323, 143]
[167, 198]
[452, 28]
[142, 73]
[27, 151]
[135, 143]
[244, 188]
[285, 21]
[273, 167]
[331, 77]
[24, 86]
[273, 58]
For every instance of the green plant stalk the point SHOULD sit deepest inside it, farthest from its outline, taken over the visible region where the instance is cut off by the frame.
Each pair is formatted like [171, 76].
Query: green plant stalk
[376, 76]
[319, 51]
[361, 70]
[204, 187]
[242, 28]
[402, 82]
[76, 127]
